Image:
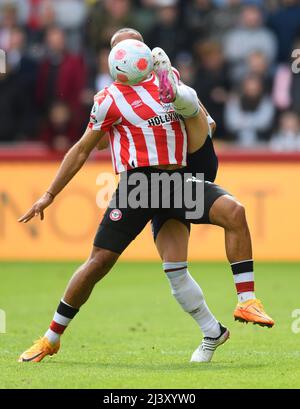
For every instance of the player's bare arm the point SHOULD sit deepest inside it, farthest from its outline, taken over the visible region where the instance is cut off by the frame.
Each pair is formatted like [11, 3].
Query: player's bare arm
[71, 164]
[197, 130]
[103, 143]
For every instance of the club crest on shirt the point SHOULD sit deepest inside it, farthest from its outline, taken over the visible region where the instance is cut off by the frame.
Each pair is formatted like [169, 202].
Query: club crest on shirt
[115, 215]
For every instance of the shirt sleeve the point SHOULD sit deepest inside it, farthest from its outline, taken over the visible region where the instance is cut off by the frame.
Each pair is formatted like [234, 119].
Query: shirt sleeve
[104, 113]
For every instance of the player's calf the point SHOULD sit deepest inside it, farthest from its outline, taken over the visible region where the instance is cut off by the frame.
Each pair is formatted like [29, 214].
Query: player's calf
[77, 292]
[228, 213]
[189, 295]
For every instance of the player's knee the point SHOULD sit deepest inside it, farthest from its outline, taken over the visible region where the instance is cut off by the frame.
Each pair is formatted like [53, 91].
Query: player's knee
[237, 215]
[100, 263]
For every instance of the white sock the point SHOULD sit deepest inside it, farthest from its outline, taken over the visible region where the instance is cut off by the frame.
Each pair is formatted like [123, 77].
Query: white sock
[52, 336]
[248, 295]
[186, 102]
[190, 296]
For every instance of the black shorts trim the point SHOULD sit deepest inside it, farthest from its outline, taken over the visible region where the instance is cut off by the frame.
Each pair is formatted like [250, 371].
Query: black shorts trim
[160, 219]
[112, 239]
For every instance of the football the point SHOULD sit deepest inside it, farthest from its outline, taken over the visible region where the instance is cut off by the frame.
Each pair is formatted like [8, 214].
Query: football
[130, 62]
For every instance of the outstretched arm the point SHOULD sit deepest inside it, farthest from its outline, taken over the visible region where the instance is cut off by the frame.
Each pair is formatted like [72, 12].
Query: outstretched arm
[72, 163]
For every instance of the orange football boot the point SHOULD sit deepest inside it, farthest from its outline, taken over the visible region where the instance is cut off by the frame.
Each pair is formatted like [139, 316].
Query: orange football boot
[41, 348]
[253, 311]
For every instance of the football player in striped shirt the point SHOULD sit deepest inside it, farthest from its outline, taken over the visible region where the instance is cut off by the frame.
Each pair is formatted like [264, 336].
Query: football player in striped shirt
[115, 111]
[147, 137]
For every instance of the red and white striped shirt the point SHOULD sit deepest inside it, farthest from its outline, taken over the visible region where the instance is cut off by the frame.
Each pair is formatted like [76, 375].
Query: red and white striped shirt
[143, 131]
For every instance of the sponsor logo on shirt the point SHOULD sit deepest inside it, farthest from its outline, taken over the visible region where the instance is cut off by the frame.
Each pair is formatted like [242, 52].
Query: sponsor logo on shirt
[164, 119]
[137, 103]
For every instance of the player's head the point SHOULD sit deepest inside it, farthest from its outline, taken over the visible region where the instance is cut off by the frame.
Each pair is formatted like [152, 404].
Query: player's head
[125, 33]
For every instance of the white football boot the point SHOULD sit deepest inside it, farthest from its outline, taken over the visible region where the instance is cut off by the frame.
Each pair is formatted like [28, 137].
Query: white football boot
[206, 349]
[165, 74]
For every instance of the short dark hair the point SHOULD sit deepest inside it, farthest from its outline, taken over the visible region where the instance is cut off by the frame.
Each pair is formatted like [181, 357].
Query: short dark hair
[125, 30]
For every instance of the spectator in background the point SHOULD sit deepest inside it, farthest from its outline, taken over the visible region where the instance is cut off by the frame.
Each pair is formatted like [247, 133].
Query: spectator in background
[295, 84]
[70, 16]
[21, 63]
[199, 18]
[189, 31]
[168, 32]
[286, 89]
[59, 131]
[37, 16]
[8, 21]
[28, 11]
[285, 23]
[226, 17]
[281, 94]
[19, 5]
[103, 78]
[17, 109]
[145, 16]
[295, 93]
[287, 137]
[105, 18]
[212, 81]
[61, 75]
[257, 64]
[185, 65]
[249, 115]
[249, 37]
[98, 78]
[271, 5]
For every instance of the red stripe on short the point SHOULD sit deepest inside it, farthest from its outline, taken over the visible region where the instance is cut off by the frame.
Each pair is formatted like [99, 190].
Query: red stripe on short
[58, 328]
[245, 287]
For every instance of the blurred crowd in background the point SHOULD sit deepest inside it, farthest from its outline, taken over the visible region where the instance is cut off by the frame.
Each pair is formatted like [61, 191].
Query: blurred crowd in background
[237, 55]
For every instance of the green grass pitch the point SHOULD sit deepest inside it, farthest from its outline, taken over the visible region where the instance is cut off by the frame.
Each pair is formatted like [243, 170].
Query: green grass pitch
[132, 334]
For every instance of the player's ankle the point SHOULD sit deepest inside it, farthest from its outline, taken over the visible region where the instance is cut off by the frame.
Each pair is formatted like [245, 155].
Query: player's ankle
[52, 337]
[247, 296]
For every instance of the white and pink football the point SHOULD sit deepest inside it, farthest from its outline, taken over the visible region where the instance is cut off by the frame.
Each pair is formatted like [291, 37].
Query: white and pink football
[130, 62]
